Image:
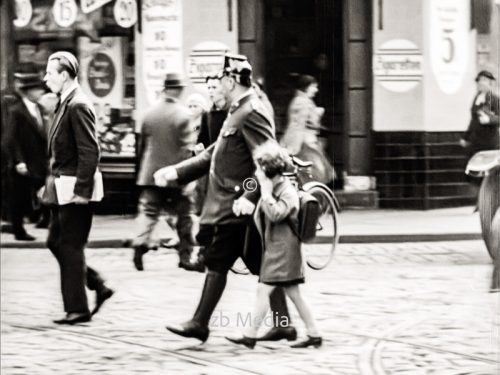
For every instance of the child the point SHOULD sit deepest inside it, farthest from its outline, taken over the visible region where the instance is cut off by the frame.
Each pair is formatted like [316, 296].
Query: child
[282, 263]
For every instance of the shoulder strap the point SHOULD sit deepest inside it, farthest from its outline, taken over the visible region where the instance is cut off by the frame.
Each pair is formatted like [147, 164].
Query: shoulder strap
[294, 229]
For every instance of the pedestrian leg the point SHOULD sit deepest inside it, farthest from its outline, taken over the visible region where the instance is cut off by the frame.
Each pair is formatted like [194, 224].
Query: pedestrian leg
[303, 309]
[260, 309]
[75, 221]
[184, 210]
[197, 327]
[149, 210]
[282, 324]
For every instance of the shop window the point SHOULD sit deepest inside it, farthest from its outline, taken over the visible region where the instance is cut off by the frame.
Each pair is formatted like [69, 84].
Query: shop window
[106, 55]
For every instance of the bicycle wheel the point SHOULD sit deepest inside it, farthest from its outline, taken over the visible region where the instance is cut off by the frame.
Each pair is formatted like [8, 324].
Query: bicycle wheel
[319, 252]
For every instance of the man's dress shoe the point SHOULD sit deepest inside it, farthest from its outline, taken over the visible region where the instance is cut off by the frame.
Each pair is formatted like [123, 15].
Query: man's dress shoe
[190, 328]
[24, 237]
[310, 341]
[74, 318]
[279, 333]
[249, 342]
[101, 297]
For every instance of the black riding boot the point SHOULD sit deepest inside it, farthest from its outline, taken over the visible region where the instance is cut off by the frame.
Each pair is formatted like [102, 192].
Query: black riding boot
[282, 327]
[197, 327]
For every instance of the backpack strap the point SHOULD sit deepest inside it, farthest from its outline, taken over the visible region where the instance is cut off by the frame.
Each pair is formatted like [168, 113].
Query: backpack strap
[294, 229]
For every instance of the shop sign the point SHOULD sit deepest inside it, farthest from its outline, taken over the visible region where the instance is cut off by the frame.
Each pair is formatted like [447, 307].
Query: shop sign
[125, 12]
[397, 65]
[65, 12]
[161, 43]
[449, 42]
[91, 5]
[205, 59]
[101, 70]
[24, 12]
[101, 75]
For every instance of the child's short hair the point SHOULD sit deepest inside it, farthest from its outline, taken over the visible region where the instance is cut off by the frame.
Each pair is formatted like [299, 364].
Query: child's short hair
[272, 158]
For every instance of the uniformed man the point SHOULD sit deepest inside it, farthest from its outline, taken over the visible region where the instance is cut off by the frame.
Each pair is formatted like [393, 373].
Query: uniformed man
[230, 200]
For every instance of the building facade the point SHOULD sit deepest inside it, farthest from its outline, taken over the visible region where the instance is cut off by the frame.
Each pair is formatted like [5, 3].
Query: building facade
[396, 77]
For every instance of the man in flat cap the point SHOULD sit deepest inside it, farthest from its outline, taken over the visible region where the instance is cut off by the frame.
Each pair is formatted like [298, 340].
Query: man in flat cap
[73, 151]
[26, 139]
[166, 139]
[229, 165]
[483, 131]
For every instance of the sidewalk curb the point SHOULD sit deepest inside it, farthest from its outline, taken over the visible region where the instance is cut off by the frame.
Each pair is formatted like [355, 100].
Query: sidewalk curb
[353, 239]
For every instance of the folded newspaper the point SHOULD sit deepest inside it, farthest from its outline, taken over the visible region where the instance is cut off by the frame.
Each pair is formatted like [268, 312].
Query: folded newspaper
[65, 187]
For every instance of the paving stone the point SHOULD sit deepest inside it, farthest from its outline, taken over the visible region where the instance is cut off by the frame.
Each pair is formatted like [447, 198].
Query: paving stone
[412, 308]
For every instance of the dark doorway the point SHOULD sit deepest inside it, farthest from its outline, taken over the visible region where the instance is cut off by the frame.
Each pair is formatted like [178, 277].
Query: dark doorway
[305, 37]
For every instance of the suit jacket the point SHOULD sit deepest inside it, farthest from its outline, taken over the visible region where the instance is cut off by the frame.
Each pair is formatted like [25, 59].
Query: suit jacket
[166, 139]
[211, 125]
[229, 160]
[282, 257]
[73, 146]
[484, 136]
[27, 141]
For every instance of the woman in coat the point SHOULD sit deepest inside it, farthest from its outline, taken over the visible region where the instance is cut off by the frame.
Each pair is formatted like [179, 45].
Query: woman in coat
[304, 122]
[282, 263]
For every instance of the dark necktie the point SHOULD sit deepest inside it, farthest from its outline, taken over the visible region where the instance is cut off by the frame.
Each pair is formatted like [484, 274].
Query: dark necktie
[58, 104]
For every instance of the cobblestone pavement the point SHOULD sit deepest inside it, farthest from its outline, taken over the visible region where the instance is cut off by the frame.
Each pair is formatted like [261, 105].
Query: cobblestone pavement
[408, 308]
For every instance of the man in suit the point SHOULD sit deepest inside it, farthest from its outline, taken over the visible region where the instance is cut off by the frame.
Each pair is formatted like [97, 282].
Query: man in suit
[73, 151]
[483, 131]
[229, 164]
[166, 139]
[26, 139]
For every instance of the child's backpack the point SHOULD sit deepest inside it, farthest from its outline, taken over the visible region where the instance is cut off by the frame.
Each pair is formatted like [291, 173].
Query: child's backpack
[309, 212]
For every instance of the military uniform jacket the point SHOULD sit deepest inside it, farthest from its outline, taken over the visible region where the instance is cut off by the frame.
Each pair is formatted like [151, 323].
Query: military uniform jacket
[229, 161]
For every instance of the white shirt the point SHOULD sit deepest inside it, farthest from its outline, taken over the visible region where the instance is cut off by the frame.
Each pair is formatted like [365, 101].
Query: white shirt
[68, 91]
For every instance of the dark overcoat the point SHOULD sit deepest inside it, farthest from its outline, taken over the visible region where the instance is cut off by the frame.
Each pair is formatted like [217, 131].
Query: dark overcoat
[27, 141]
[484, 137]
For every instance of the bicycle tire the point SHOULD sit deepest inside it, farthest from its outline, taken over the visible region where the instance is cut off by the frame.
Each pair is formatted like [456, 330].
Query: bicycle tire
[317, 256]
[488, 204]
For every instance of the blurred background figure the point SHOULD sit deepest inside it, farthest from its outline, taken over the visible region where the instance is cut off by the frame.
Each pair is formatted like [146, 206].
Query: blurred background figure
[27, 152]
[198, 107]
[211, 125]
[166, 139]
[483, 131]
[304, 123]
[258, 86]
[213, 120]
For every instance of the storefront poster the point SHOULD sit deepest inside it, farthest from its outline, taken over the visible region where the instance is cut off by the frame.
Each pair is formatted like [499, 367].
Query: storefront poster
[24, 12]
[125, 13]
[449, 42]
[397, 65]
[91, 5]
[65, 12]
[161, 43]
[205, 59]
[101, 70]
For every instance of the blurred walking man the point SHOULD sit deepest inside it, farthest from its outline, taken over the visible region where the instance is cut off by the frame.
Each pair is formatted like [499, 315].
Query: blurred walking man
[166, 139]
[73, 151]
[229, 164]
[27, 144]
